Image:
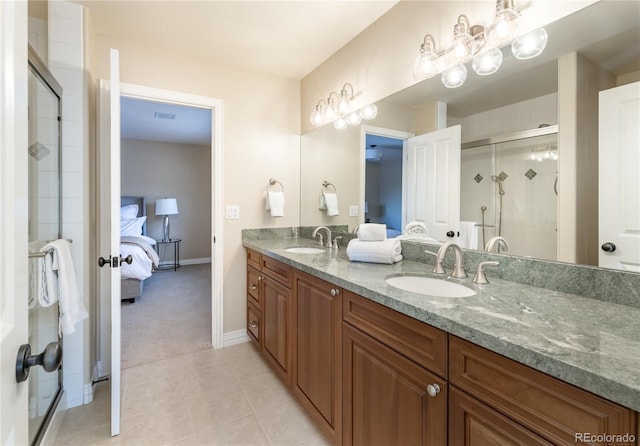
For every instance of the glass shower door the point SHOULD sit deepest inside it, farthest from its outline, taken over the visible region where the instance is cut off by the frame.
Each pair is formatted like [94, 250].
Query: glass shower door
[45, 224]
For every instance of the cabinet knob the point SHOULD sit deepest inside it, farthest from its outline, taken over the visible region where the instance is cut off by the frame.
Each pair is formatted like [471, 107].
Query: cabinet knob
[335, 292]
[253, 324]
[253, 286]
[433, 389]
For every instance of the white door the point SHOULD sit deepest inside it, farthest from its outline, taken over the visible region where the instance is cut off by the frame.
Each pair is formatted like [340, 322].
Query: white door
[14, 428]
[619, 184]
[431, 182]
[109, 210]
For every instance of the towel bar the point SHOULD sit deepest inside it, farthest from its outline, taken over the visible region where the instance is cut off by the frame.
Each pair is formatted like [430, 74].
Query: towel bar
[273, 182]
[326, 184]
[35, 255]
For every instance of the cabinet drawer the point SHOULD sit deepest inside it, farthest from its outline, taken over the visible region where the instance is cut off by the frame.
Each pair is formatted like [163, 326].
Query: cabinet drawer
[254, 324]
[553, 409]
[254, 258]
[418, 341]
[253, 285]
[277, 270]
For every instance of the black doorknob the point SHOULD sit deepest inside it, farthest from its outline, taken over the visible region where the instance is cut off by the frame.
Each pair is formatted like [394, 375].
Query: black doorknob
[451, 234]
[128, 259]
[102, 261]
[608, 247]
[49, 359]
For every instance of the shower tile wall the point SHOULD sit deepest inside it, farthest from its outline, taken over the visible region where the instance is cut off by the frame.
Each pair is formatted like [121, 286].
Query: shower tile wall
[512, 118]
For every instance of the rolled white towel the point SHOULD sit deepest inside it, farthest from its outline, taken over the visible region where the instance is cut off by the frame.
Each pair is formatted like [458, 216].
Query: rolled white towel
[386, 251]
[275, 203]
[331, 202]
[372, 232]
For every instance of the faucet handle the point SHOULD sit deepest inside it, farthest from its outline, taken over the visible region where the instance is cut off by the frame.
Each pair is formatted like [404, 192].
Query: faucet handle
[481, 277]
[439, 267]
[335, 244]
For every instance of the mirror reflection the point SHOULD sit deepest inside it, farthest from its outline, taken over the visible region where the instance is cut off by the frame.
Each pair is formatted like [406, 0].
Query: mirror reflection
[520, 143]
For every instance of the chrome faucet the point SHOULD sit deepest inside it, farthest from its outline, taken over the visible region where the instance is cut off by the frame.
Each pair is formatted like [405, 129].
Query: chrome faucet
[458, 268]
[481, 277]
[493, 241]
[322, 242]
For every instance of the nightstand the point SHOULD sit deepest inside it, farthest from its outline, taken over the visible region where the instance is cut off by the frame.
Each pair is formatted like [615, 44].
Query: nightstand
[164, 264]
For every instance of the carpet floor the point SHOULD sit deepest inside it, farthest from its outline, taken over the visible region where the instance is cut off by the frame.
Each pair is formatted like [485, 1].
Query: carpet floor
[172, 318]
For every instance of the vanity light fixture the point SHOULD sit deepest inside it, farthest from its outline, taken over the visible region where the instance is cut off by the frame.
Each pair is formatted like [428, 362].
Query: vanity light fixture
[480, 44]
[337, 108]
[353, 118]
[340, 123]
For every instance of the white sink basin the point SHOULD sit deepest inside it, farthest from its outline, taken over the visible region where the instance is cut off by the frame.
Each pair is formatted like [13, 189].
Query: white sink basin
[304, 250]
[429, 286]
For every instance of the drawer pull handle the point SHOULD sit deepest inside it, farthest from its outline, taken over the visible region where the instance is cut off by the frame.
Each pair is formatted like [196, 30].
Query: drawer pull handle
[335, 292]
[253, 324]
[252, 286]
[433, 389]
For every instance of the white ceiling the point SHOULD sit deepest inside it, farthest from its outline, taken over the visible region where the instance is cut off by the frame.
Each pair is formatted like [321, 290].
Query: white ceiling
[286, 38]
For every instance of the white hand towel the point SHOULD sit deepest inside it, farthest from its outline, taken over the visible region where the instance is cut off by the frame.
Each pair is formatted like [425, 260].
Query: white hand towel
[372, 232]
[71, 307]
[48, 289]
[468, 238]
[386, 251]
[275, 203]
[331, 201]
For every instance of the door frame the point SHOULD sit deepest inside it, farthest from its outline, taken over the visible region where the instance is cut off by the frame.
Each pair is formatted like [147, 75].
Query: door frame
[216, 107]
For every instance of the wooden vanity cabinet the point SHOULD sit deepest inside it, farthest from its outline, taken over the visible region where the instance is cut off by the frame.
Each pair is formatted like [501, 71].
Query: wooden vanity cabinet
[317, 351]
[522, 401]
[390, 395]
[269, 310]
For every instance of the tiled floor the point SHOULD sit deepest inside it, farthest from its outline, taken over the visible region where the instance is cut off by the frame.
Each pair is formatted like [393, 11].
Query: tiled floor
[212, 397]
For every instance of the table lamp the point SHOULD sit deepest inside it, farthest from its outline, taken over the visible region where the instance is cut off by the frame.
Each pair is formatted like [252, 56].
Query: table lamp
[166, 207]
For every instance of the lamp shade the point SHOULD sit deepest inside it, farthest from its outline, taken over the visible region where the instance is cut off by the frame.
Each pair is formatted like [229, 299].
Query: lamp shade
[166, 206]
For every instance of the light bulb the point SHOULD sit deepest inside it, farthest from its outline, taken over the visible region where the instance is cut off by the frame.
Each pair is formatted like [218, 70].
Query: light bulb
[532, 157]
[317, 115]
[340, 124]
[505, 24]
[353, 118]
[454, 77]
[464, 45]
[425, 66]
[487, 62]
[369, 111]
[329, 112]
[343, 104]
[530, 45]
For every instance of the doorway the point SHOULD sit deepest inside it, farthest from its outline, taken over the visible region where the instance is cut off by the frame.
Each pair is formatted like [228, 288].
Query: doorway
[216, 248]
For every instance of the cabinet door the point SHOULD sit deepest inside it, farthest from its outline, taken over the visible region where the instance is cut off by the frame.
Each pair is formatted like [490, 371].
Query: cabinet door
[386, 401]
[317, 362]
[471, 423]
[275, 324]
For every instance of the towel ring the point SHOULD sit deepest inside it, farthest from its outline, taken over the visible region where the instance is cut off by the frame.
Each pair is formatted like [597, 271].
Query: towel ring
[273, 182]
[326, 185]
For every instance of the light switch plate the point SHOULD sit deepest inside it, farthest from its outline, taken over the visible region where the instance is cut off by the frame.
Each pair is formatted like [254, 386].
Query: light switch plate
[233, 212]
[353, 210]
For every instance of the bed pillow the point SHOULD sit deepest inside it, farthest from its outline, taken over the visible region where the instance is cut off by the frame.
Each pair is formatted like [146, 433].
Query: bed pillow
[131, 227]
[129, 211]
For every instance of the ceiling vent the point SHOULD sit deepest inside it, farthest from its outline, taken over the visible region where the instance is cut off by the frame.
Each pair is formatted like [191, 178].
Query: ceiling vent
[160, 115]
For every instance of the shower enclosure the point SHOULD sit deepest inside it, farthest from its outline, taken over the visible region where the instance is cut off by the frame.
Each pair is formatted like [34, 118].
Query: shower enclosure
[45, 224]
[509, 188]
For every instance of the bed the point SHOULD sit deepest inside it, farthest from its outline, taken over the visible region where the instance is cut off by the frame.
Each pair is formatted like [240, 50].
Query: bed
[134, 242]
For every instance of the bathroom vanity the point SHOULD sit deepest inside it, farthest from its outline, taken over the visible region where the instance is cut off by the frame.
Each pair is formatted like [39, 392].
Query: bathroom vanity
[372, 364]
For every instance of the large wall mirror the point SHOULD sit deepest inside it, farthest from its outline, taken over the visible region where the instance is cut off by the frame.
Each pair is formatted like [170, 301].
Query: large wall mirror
[510, 126]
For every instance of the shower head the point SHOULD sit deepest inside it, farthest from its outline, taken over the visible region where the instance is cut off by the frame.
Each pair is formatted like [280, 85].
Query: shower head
[499, 181]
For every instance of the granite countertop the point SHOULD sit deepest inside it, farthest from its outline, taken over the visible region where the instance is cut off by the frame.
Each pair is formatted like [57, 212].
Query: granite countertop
[592, 344]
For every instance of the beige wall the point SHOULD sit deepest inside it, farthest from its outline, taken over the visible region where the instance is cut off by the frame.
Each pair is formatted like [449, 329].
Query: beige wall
[378, 62]
[260, 138]
[182, 171]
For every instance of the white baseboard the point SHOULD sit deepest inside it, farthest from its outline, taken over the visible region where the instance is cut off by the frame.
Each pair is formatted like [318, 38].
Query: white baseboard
[235, 337]
[195, 261]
